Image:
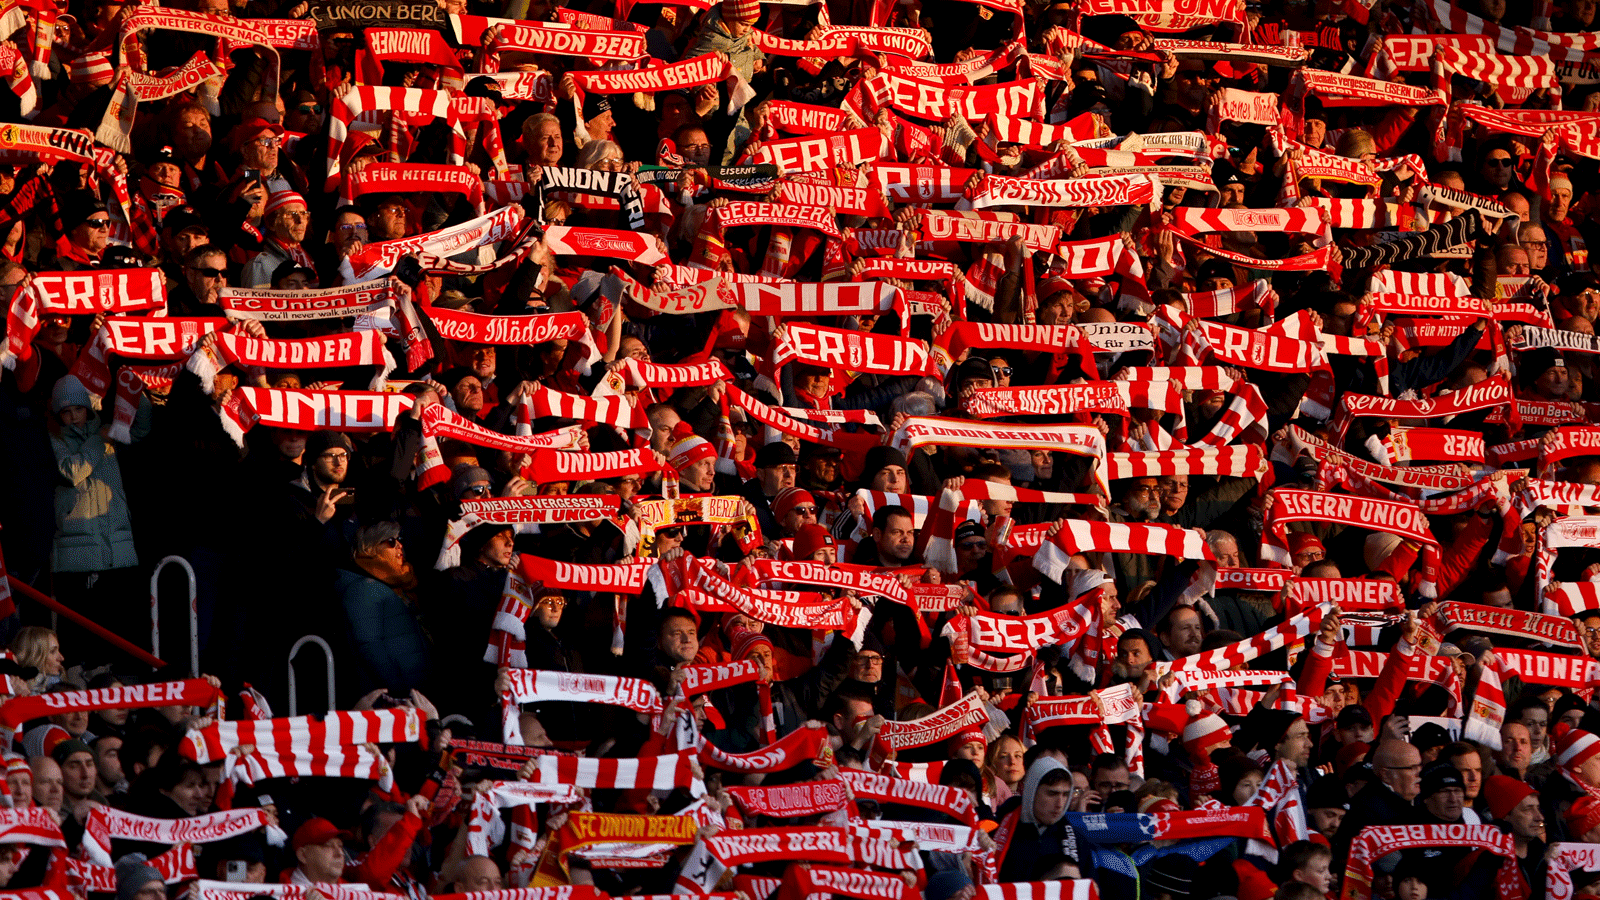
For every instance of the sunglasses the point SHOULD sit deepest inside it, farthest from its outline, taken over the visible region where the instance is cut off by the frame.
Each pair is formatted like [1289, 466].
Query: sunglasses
[1503, 163]
[268, 142]
[355, 227]
[1002, 371]
[314, 109]
[969, 546]
[804, 510]
[477, 490]
[206, 271]
[97, 223]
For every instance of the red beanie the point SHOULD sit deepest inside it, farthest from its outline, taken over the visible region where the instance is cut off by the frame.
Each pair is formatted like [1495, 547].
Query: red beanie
[788, 499]
[1504, 793]
[1301, 541]
[1581, 816]
[1574, 747]
[748, 641]
[811, 538]
[688, 448]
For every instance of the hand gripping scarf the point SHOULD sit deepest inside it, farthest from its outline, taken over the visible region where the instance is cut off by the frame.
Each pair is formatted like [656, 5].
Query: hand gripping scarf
[116, 128]
[815, 154]
[1351, 594]
[193, 692]
[1564, 860]
[355, 348]
[1433, 478]
[158, 339]
[859, 579]
[1507, 623]
[991, 632]
[1376, 841]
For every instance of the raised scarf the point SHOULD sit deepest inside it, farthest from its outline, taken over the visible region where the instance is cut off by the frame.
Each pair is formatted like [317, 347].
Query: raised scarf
[356, 411]
[1483, 395]
[1238, 462]
[303, 733]
[855, 351]
[1052, 400]
[952, 801]
[375, 260]
[1402, 519]
[1377, 841]
[192, 692]
[75, 293]
[1077, 193]
[542, 510]
[355, 348]
[938, 725]
[1237, 654]
[791, 801]
[539, 686]
[612, 840]
[858, 579]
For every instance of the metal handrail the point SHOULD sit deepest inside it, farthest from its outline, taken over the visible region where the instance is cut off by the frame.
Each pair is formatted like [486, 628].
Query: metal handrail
[194, 613]
[327, 654]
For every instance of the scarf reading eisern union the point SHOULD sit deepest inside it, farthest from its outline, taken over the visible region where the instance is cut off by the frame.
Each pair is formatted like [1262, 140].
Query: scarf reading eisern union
[540, 510]
[1405, 520]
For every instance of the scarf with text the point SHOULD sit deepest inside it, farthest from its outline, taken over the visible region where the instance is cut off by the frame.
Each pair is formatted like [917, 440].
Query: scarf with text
[1377, 841]
[355, 411]
[791, 801]
[540, 686]
[884, 789]
[75, 293]
[854, 351]
[1402, 519]
[804, 881]
[193, 692]
[1433, 478]
[1483, 395]
[1507, 623]
[105, 823]
[939, 725]
[699, 70]
[807, 743]
[375, 260]
[355, 348]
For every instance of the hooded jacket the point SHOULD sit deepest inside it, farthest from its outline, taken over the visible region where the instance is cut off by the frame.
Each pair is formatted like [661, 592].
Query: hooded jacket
[93, 530]
[1022, 840]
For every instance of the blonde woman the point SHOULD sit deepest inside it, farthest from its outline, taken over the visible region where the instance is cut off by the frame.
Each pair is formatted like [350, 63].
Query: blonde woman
[39, 647]
[1002, 770]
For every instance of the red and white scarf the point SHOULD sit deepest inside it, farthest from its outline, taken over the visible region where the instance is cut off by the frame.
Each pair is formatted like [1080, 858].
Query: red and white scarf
[939, 725]
[1238, 462]
[1237, 654]
[791, 801]
[192, 692]
[1079, 536]
[700, 70]
[1075, 193]
[650, 773]
[355, 348]
[1403, 519]
[375, 260]
[1381, 840]
[75, 293]
[105, 824]
[304, 733]
[884, 789]
[855, 351]
[539, 686]
[356, 411]
[1053, 400]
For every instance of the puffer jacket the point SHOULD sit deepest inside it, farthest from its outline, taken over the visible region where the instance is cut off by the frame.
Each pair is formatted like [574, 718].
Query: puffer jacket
[93, 530]
[714, 37]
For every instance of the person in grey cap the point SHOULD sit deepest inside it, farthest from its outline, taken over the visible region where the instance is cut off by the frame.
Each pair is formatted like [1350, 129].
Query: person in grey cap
[138, 880]
[319, 491]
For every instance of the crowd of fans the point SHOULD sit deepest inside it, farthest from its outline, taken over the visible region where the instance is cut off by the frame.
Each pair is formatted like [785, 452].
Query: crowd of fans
[947, 449]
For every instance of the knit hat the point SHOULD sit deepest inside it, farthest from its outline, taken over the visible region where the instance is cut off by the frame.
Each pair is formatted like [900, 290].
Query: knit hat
[1559, 180]
[1574, 747]
[689, 448]
[879, 458]
[323, 440]
[966, 736]
[776, 453]
[68, 391]
[1438, 777]
[63, 751]
[1173, 873]
[811, 538]
[1327, 793]
[16, 763]
[748, 641]
[278, 199]
[1377, 548]
[42, 739]
[946, 883]
[1301, 541]
[788, 499]
[741, 10]
[94, 68]
[1504, 793]
[465, 477]
[1581, 816]
[134, 873]
[1203, 733]
[595, 106]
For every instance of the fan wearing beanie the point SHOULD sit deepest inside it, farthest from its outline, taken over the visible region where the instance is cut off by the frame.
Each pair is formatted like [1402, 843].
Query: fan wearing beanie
[1515, 805]
[138, 880]
[757, 714]
[1575, 754]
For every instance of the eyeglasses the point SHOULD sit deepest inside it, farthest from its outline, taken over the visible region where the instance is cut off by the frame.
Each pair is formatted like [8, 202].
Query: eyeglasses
[206, 271]
[871, 660]
[352, 228]
[1001, 371]
[804, 510]
[335, 456]
[58, 321]
[968, 546]
[268, 143]
[314, 109]
[552, 602]
[297, 215]
[97, 223]
[1503, 162]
